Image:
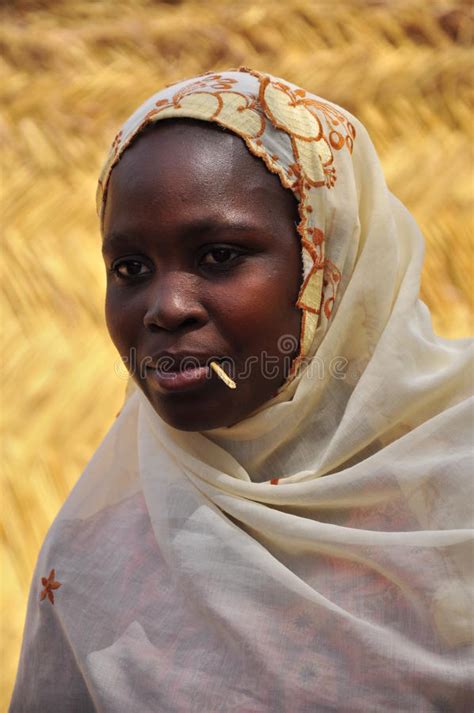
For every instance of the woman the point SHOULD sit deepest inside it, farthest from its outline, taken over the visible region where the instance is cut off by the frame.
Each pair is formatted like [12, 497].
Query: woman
[299, 542]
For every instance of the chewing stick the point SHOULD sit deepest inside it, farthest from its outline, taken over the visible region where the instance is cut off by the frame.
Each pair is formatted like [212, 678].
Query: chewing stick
[222, 375]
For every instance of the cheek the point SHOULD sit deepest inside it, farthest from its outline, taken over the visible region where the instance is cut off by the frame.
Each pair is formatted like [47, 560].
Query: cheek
[123, 320]
[260, 309]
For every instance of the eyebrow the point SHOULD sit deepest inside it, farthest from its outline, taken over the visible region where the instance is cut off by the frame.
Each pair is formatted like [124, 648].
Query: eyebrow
[189, 231]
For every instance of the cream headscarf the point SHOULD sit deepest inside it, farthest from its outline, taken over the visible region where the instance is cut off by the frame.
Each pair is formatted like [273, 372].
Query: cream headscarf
[317, 555]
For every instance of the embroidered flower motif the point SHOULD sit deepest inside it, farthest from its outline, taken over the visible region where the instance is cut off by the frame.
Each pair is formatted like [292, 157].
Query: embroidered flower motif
[49, 584]
[235, 110]
[316, 234]
[330, 173]
[332, 278]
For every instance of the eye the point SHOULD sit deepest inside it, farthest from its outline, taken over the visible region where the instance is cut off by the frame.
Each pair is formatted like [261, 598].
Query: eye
[130, 269]
[220, 255]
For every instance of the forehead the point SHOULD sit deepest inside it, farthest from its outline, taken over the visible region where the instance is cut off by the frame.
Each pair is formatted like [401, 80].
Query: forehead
[184, 164]
[183, 145]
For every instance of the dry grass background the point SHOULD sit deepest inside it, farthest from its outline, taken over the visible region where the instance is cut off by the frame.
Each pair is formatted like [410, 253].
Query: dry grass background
[72, 71]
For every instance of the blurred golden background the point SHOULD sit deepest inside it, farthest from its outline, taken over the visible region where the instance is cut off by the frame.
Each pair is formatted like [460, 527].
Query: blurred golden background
[72, 71]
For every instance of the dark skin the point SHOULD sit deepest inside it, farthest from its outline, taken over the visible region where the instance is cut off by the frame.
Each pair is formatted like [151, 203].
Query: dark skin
[202, 259]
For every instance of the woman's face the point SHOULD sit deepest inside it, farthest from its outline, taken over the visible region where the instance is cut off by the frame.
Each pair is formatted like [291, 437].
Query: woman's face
[203, 262]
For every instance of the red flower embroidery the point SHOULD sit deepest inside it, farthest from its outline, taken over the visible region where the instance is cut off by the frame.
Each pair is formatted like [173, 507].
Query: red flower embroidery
[49, 584]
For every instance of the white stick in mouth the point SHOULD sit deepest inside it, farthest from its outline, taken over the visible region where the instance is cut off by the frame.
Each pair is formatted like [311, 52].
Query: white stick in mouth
[222, 375]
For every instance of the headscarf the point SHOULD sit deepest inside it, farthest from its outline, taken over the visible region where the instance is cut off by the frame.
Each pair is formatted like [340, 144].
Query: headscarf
[315, 556]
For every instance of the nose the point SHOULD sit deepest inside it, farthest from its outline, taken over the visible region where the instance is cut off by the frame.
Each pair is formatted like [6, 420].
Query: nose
[173, 304]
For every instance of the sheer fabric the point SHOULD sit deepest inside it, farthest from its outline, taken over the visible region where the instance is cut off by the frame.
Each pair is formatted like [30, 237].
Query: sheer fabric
[316, 556]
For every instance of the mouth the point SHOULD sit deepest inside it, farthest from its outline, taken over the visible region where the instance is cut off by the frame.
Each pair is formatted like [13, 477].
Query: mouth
[182, 380]
[179, 372]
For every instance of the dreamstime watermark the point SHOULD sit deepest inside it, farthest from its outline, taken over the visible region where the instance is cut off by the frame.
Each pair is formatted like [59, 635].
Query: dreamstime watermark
[269, 366]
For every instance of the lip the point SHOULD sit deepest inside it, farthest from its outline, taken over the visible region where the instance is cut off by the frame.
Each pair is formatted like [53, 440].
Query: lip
[175, 361]
[184, 380]
[179, 371]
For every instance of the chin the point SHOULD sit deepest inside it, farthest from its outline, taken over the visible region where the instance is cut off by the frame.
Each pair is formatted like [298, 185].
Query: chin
[192, 422]
[188, 414]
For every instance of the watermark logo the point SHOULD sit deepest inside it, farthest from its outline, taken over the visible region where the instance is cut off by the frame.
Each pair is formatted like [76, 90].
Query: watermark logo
[265, 364]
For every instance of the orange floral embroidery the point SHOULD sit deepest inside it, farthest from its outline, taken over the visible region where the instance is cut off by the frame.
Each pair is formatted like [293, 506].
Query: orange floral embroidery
[316, 234]
[291, 110]
[49, 584]
[213, 98]
[330, 173]
[332, 278]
